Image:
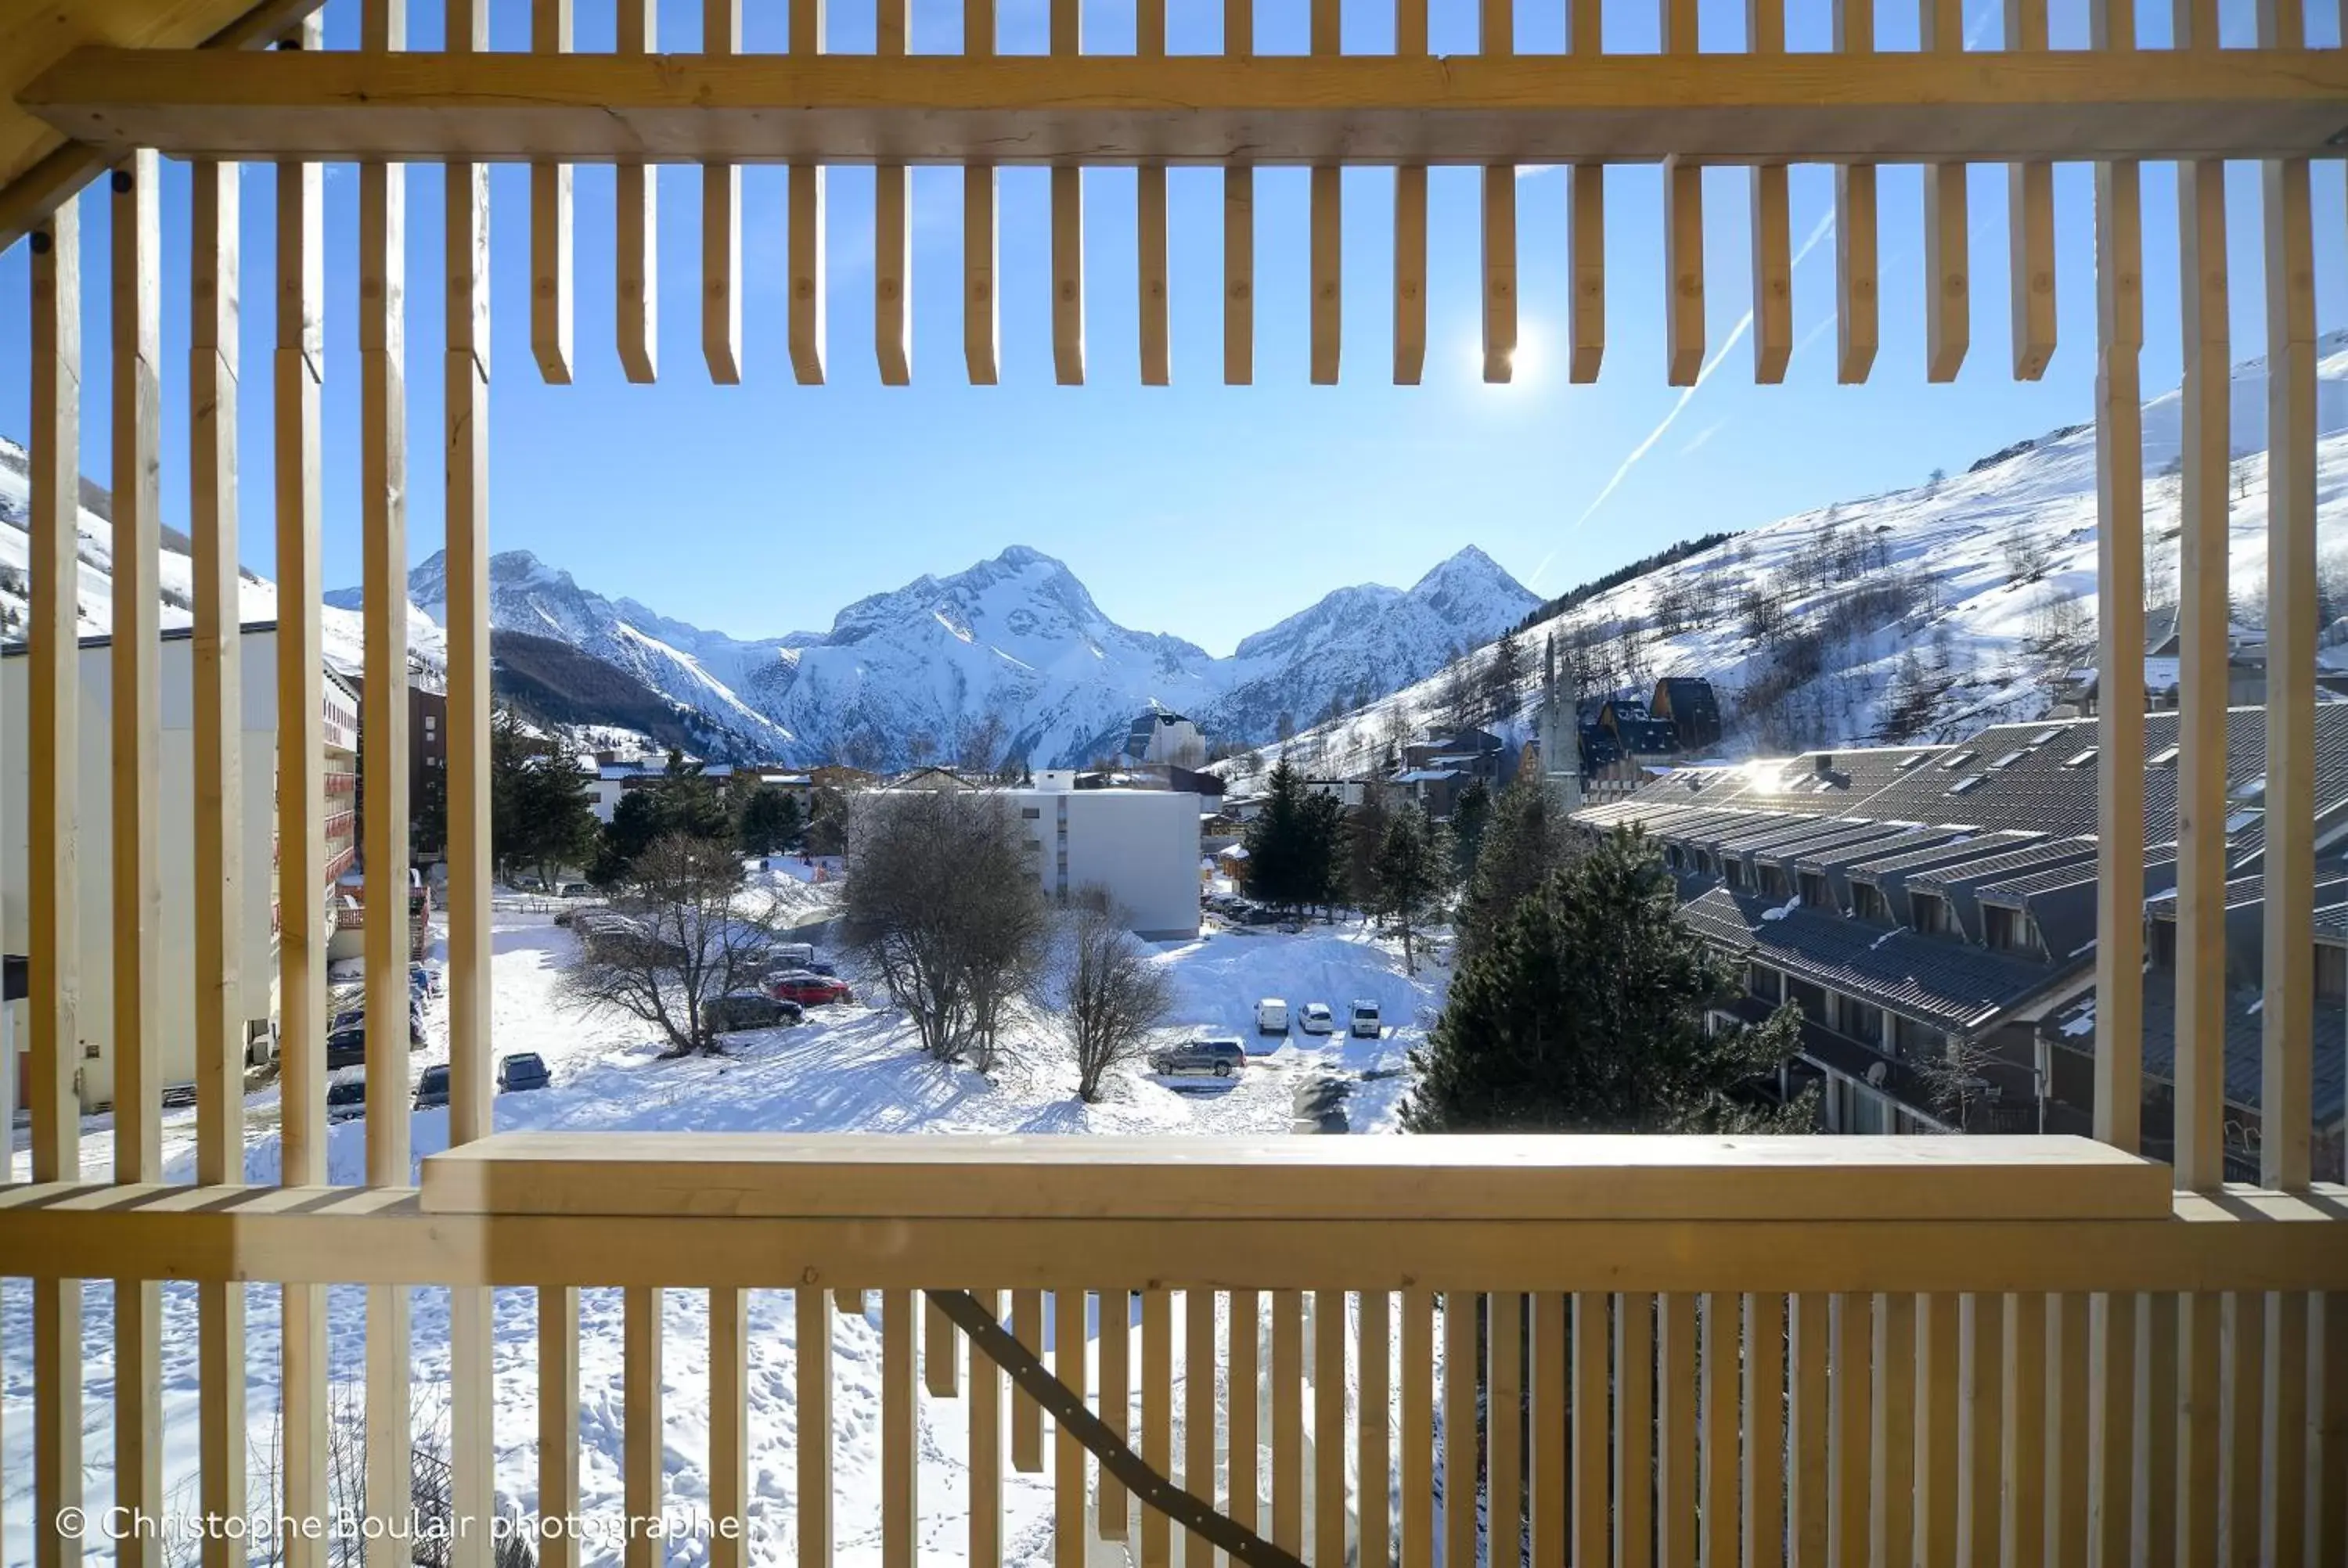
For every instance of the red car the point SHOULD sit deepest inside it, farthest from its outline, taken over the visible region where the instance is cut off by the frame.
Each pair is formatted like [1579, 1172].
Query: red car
[810, 990]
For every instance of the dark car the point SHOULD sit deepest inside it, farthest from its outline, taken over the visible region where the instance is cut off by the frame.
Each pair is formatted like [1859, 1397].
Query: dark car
[522, 1069]
[345, 1099]
[1221, 1058]
[432, 1088]
[809, 990]
[346, 1046]
[747, 1010]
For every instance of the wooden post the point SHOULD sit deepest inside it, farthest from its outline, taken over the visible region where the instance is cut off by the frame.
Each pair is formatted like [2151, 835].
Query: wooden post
[1410, 225]
[1417, 1414]
[2242, 1426]
[1635, 1371]
[1328, 1426]
[1198, 1363]
[1553, 1411]
[1373, 1442]
[892, 232]
[1504, 1427]
[2023, 1452]
[806, 240]
[1810, 1431]
[2111, 1401]
[1592, 1505]
[1459, 1426]
[729, 1426]
[138, 745]
[979, 302]
[641, 1445]
[721, 222]
[986, 1451]
[2069, 1429]
[1069, 1490]
[2153, 1527]
[1149, 216]
[1158, 1414]
[1239, 269]
[1764, 1478]
[901, 1453]
[2200, 1471]
[1240, 1441]
[1981, 1429]
[1938, 1394]
[1855, 264]
[812, 1387]
[1677, 1486]
[2030, 222]
[558, 1426]
[218, 819]
[1026, 1415]
[1948, 297]
[1719, 1329]
[1851, 1441]
[1585, 205]
[1288, 1420]
[1499, 272]
[549, 221]
[1892, 1470]
[1773, 261]
[636, 208]
[1113, 1506]
[52, 818]
[298, 372]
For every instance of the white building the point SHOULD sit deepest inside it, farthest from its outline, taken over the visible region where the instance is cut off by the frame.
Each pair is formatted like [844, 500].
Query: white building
[1158, 736]
[1140, 846]
[256, 965]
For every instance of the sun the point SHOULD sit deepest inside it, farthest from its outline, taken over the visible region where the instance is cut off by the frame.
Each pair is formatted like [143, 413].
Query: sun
[1528, 365]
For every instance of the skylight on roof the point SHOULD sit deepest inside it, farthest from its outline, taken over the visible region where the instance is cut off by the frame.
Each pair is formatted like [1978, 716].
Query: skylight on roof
[1956, 760]
[2242, 819]
[1961, 785]
[1915, 762]
[2083, 759]
[2046, 734]
[2163, 759]
[2008, 760]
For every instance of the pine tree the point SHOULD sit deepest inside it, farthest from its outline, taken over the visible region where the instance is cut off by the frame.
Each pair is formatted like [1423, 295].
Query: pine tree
[1365, 834]
[540, 816]
[769, 823]
[1324, 832]
[635, 825]
[1470, 816]
[1290, 854]
[1523, 842]
[1503, 671]
[688, 801]
[1413, 869]
[1587, 1012]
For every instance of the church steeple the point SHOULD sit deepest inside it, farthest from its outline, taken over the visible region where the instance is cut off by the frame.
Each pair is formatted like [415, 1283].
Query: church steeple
[1558, 736]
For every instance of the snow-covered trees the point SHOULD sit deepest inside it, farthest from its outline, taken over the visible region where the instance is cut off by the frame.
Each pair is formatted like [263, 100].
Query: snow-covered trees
[674, 942]
[1586, 1011]
[1412, 870]
[1111, 992]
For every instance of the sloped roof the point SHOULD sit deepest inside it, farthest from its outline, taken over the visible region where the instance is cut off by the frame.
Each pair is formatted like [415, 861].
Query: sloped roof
[2245, 1042]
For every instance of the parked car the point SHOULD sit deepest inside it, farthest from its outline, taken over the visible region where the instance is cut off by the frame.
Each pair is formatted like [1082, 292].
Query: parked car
[578, 890]
[1316, 1018]
[1366, 1024]
[747, 1010]
[809, 990]
[346, 1047]
[522, 1069]
[1272, 1015]
[346, 1099]
[432, 1088]
[1221, 1058]
[792, 955]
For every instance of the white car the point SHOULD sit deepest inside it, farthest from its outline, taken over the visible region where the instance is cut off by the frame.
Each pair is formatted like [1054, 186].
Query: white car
[1366, 1024]
[1315, 1018]
[1272, 1015]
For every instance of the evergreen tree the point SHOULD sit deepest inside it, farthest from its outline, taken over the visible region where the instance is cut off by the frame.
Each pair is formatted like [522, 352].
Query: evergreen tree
[635, 824]
[1521, 842]
[688, 801]
[1365, 834]
[1413, 869]
[540, 814]
[1503, 671]
[1587, 1011]
[1325, 830]
[1290, 851]
[769, 823]
[1469, 815]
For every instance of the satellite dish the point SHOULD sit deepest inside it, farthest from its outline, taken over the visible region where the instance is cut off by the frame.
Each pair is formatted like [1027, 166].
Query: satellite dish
[1878, 1073]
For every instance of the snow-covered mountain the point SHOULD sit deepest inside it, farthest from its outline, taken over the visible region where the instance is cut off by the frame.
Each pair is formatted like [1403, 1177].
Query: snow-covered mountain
[1008, 657]
[1917, 614]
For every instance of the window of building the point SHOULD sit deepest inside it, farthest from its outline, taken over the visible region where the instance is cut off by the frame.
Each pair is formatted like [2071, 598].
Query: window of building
[1867, 902]
[1765, 982]
[1814, 890]
[1773, 884]
[1859, 1020]
[2331, 972]
[1913, 1041]
[1929, 913]
[1734, 870]
[2164, 944]
[2082, 759]
[1032, 813]
[1955, 760]
[1811, 999]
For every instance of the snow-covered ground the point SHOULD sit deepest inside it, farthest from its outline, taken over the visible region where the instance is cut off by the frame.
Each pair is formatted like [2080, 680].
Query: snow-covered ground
[848, 1069]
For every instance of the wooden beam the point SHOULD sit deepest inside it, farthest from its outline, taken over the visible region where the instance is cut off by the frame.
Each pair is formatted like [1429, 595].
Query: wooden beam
[807, 267]
[549, 221]
[721, 222]
[1409, 275]
[2069, 1428]
[2112, 1399]
[1157, 1415]
[1026, 1415]
[643, 1446]
[1243, 1425]
[1329, 1486]
[1763, 1479]
[1149, 250]
[1287, 1398]
[893, 274]
[2030, 223]
[1417, 1414]
[1238, 276]
[900, 1410]
[1634, 1481]
[1461, 1377]
[1374, 1433]
[812, 1346]
[1684, 330]
[1809, 1428]
[2199, 1474]
[1893, 1468]
[1719, 1350]
[985, 1451]
[636, 208]
[1068, 276]
[1070, 1494]
[2022, 1452]
[1328, 262]
[1199, 1311]
[1851, 1439]
[1553, 1407]
[1589, 1497]
[2153, 1525]
[980, 308]
[1714, 109]
[1772, 264]
[1856, 332]
[1948, 271]
[558, 1422]
[1677, 1489]
[1499, 272]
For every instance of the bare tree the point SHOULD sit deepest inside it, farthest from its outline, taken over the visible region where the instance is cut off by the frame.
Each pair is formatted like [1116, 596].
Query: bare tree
[674, 943]
[942, 902]
[1111, 990]
[1956, 1081]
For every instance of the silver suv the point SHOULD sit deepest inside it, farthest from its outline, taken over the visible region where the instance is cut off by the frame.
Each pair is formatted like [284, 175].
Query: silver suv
[1222, 1058]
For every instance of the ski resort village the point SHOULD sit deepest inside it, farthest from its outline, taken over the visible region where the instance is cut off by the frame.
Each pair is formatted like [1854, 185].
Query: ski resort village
[1801, 1021]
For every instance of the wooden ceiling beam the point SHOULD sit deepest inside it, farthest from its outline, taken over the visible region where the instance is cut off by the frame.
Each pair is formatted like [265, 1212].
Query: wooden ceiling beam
[838, 109]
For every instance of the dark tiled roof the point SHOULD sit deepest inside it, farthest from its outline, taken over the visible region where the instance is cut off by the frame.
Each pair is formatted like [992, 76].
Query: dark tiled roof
[1907, 841]
[1782, 832]
[2047, 879]
[2332, 922]
[1946, 984]
[1848, 838]
[2245, 1042]
[1971, 846]
[1990, 867]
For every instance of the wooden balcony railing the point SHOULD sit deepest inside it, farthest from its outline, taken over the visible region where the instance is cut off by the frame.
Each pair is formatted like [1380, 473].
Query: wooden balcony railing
[1800, 1350]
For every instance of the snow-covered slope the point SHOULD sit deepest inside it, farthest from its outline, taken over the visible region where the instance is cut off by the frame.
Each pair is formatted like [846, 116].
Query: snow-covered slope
[1011, 656]
[1919, 613]
[257, 598]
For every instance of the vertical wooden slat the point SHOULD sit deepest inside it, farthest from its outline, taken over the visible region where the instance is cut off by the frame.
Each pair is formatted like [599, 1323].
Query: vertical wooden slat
[1288, 1420]
[2022, 1534]
[1199, 1308]
[1683, 270]
[557, 1425]
[1763, 1480]
[1808, 1430]
[1328, 258]
[805, 238]
[1676, 1479]
[1948, 302]
[1067, 227]
[1499, 272]
[2153, 1528]
[721, 222]
[1329, 1426]
[137, 743]
[986, 1451]
[383, 516]
[2286, 1012]
[1591, 1503]
[549, 221]
[1938, 1395]
[729, 1426]
[1634, 1431]
[1246, 1391]
[892, 231]
[1460, 1434]
[214, 222]
[2242, 1426]
[1504, 1427]
[1981, 1429]
[641, 1443]
[1026, 1415]
[812, 1397]
[1157, 1415]
[2200, 1344]
[1417, 1439]
[1410, 225]
[298, 372]
[2112, 1399]
[1069, 1495]
[2327, 1530]
[1585, 201]
[1116, 1401]
[2030, 222]
[2069, 1429]
[2284, 1449]
[465, 408]
[1892, 1470]
[1856, 331]
[1717, 1333]
[1149, 200]
[1372, 1444]
[53, 819]
[1238, 272]
[2204, 497]
[1552, 1400]
[1848, 1493]
[980, 303]
[636, 205]
[941, 1353]
[1773, 264]
[901, 1453]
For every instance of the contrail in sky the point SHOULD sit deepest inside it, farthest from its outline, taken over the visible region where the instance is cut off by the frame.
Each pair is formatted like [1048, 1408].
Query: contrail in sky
[1687, 394]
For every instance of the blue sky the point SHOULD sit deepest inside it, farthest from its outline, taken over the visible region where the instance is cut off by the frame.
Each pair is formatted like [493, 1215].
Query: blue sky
[1198, 509]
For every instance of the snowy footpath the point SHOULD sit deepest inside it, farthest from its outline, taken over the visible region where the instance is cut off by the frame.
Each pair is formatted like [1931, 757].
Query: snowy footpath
[848, 1069]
